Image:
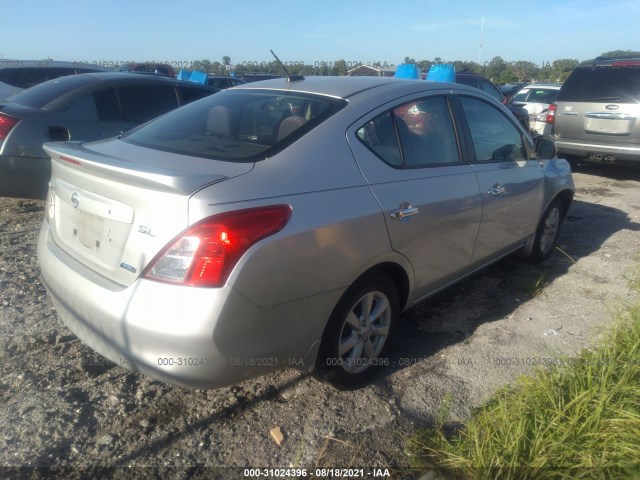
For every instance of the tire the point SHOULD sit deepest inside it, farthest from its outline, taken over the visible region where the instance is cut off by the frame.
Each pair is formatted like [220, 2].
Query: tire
[547, 231]
[357, 336]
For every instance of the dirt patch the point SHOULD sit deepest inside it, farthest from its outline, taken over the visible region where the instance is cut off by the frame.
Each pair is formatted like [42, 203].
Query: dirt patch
[64, 406]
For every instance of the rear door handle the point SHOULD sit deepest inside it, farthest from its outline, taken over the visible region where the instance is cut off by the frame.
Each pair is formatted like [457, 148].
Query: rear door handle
[405, 210]
[497, 189]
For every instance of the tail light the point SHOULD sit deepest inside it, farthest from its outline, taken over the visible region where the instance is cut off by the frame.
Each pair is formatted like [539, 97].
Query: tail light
[551, 114]
[6, 124]
[205, 254]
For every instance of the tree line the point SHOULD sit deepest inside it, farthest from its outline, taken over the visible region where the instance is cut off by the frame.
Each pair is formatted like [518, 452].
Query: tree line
[497, 70]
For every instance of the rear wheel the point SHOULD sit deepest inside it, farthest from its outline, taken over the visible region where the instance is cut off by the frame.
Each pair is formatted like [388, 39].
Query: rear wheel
[547, 232]
[357, 336]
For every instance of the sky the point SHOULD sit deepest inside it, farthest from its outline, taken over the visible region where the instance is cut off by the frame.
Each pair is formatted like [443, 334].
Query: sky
[369, 31]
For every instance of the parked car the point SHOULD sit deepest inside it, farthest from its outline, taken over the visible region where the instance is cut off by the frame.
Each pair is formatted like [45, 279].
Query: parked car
[87, 106]
[596, 117]
[149, 67]
[223, 81]
[231, 238]
[17, 75]
[537, 97]
[484, 84]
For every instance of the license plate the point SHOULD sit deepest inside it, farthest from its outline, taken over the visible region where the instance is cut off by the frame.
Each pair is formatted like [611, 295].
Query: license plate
[89, 230]
[601, 157]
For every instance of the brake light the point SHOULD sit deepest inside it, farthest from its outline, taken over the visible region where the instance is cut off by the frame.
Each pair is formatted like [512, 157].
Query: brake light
[626, 63]
[205, 254]
[6, 125]
[551, 114]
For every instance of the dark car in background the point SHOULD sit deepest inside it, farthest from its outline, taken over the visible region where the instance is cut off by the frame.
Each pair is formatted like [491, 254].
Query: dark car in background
[149, 67]
[88, 106]
[596, 117]
[484, 84]
[510, 89]
[18, 75]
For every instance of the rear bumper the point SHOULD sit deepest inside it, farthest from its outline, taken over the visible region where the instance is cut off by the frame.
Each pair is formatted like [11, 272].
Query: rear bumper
[26, 177]
[192, 337]
[599, 151]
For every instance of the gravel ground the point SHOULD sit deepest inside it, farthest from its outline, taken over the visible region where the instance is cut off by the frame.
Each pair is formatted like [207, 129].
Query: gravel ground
[67, 410]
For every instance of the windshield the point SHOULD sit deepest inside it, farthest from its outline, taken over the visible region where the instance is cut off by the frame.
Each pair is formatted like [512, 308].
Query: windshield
[237, 125]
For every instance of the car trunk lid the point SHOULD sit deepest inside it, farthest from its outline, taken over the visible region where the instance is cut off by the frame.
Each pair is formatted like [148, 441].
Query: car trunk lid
[114, 206]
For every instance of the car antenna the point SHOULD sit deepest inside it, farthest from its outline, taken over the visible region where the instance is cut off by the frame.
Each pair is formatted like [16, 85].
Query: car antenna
[290, 78]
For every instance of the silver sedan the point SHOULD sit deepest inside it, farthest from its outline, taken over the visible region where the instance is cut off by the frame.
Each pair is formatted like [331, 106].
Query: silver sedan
[288, 224]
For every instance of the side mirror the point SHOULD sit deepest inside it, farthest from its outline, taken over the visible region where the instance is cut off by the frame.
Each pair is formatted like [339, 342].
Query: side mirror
[545, 149]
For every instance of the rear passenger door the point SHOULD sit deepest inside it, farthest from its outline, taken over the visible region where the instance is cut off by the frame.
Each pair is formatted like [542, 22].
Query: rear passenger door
[409, 155]
[511, 184]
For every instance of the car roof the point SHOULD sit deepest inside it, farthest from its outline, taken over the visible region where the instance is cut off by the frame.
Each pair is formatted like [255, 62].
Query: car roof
[369, 92]
[7, 63]
[60, 93]
[339, 87]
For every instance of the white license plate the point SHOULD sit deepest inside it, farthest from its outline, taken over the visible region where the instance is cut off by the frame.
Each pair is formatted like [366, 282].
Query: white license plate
[89, 230]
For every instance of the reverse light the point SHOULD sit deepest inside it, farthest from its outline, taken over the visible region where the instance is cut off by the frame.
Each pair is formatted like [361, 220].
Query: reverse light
[6, 125]
[551, 114]
[205, 254]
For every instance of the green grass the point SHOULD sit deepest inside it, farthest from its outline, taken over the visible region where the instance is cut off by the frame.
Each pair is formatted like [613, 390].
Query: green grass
[581, 420]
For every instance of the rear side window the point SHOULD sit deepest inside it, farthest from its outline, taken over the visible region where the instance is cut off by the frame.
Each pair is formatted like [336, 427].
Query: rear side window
[602, 84]
[242, 125]
[141, 103]
[415, 134]
[494, 136]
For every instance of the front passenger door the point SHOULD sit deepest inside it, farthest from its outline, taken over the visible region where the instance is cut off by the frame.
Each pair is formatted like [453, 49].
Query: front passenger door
[511, 184]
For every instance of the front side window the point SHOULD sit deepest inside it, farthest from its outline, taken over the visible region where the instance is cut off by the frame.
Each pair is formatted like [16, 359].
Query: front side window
[494, 136]
[241, 125]
[418, 133]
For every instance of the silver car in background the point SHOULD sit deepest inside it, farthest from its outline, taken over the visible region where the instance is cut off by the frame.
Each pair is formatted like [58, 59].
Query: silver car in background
[287, 224]
[596, 117]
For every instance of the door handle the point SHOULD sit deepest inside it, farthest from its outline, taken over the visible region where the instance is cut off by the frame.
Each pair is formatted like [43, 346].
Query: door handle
[497, 189]
[405, 210]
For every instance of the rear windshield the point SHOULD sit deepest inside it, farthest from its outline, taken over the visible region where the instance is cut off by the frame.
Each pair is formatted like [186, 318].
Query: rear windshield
[240, 125]
[602, 84]
[40, 95]
[537, 95]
